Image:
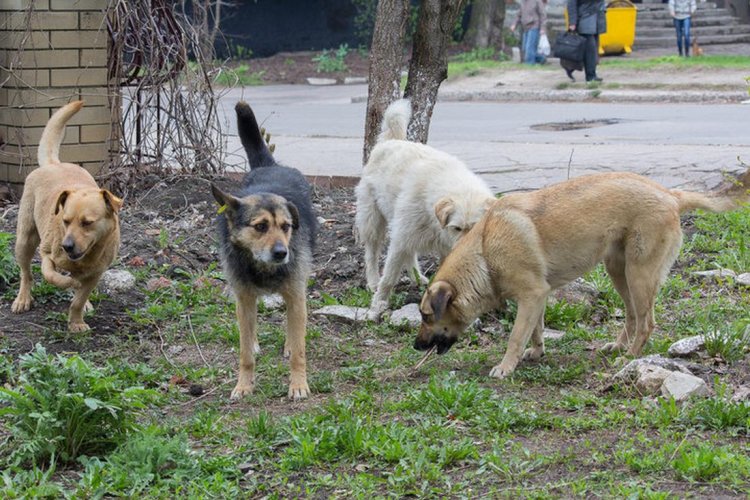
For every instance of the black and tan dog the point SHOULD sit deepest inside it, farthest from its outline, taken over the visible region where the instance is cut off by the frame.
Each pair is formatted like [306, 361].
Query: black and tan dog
[267, 232]
[72, 221]
[529, 244]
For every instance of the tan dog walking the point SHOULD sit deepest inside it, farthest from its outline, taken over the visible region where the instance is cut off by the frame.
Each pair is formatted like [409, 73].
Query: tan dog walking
[529, 244]
[72, 221]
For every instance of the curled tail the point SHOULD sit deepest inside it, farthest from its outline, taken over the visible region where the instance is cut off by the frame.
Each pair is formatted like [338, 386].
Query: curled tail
[52, 136]
[722, 200]
[255, 146]
[395, 121]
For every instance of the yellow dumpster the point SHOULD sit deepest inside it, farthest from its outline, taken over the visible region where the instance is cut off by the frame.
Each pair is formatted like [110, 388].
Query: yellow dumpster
[620, 33]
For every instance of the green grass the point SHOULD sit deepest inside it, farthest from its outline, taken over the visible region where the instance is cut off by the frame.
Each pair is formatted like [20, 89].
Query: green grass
[375, 426]
[239, 76]
[676, 62]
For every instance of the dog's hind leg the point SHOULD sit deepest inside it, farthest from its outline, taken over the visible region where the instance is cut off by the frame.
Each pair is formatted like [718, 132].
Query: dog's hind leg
[615, 264]
[530, 310]
[27, 241]
[296, 326]
[370, 227]
[247, 317]
[645, 276]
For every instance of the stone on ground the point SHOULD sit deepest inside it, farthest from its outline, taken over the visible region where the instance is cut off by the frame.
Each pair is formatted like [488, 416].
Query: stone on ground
[550, 334]
[649, 379]
[684, 348]
[682, 386]
[116, 280]
[716, 274]
[408, 314]
[629, 372]
[346, 313]
[743, 279]
[273, 301]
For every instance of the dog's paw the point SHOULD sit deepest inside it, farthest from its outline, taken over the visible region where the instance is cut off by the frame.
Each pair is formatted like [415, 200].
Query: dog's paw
[500, 371]
[299, 390]
[533, 353]
[21, 304]
[612, 347]
[376, 310]
[241, 390]
[78, 326]
[88, 307]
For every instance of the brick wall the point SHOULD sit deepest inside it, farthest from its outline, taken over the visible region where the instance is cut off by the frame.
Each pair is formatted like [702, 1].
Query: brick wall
[51, 56]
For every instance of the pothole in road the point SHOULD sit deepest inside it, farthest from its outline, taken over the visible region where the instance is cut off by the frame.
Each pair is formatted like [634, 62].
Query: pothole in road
[575, 125]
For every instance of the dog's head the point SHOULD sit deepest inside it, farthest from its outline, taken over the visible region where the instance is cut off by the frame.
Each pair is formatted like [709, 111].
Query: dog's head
[260, 224]
[87, 215]
[441, 320]
[457, 217]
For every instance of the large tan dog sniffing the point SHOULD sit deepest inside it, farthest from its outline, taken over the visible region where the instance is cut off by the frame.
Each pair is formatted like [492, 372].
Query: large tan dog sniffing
[426, 198]
[72, 221]
[529, 244]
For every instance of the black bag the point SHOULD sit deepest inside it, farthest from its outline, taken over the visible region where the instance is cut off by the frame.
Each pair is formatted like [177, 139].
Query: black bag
[569, 46]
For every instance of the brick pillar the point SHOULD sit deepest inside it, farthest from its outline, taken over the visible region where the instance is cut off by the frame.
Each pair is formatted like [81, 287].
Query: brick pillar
[49, 56]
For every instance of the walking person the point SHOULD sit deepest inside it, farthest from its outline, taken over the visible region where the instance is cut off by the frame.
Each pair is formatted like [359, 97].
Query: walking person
[588, 18]
[681, 12]
[532, 16]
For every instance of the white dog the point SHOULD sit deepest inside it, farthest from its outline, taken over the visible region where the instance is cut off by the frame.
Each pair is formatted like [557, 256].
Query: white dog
[428, 199]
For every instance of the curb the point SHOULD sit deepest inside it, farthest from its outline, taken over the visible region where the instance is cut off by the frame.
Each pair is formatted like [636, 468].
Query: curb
[590, 95]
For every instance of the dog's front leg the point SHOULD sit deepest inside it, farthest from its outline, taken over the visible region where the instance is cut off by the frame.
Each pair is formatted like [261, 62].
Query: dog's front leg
[536, 350]
[296, 325]
[50, 273]
[530, 309]
[247, 317]
[78, 306]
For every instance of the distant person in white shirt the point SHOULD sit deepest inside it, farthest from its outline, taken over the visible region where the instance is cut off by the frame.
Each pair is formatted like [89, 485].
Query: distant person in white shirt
[681, 10]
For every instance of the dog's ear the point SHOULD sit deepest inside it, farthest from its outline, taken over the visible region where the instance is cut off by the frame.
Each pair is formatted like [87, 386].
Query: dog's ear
[436, 300]
[224, 199]
[294, 213]
[444, 208]
[61, 201]
[113, 202]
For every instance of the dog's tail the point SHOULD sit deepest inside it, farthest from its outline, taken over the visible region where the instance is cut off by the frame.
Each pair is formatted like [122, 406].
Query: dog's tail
[52, 136]
[258, 154]
[722, 200]
[395, 121]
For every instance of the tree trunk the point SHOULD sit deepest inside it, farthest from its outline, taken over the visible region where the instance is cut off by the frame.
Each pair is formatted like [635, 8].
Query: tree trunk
[486, 24]
[478, 32]
[497, 23]
[386, 54]
[429, 61]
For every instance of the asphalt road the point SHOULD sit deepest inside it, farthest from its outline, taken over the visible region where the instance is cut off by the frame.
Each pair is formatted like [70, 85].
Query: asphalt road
[319, 130]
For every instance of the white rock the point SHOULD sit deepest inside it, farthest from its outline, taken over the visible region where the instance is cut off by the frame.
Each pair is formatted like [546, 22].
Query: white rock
[684, 348]
[742, 393]
[577, 291]
[649, 379]
[408, 314]
[629, 372]
[550, 334]
[743, 279]
[682, 386]
[321, 81]
[716, 274]
[273, 301]
[347, 313]
[116, 280]
[350, 80]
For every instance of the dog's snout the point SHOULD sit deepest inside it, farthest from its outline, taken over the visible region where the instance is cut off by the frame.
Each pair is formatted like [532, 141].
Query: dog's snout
[68, 245]
[279, 252]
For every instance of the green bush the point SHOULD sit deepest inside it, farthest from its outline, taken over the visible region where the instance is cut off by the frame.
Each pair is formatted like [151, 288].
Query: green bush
[332, 61]
[8, 268]
[62, 408]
